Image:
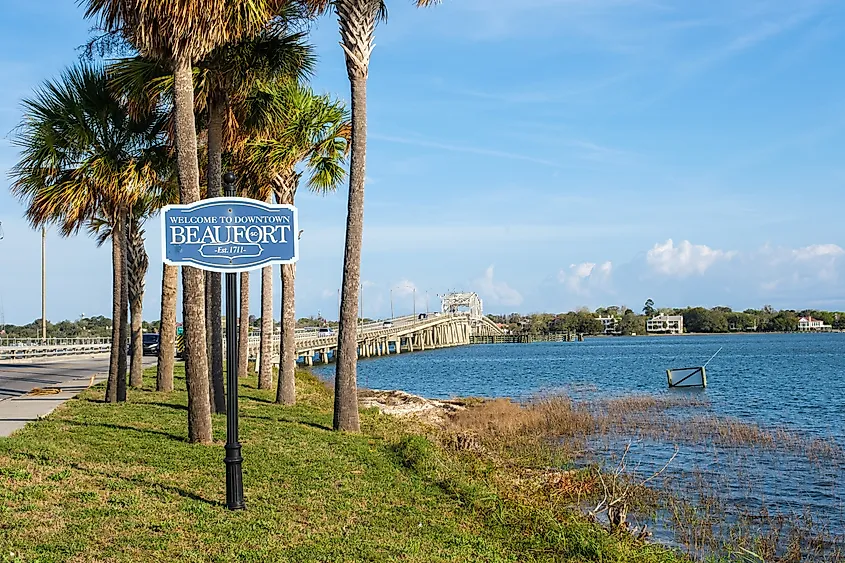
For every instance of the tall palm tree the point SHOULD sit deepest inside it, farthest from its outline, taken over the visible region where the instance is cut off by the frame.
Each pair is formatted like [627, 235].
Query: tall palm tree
[357, 20]
[243, 328]
[181, 32]
[265, 355]
[229, 72]
[167, 328]
[136, 264]
[86, 158]
[293, 126]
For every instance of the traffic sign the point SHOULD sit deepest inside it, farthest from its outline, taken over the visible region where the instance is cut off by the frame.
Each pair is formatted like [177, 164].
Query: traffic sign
[230, 234]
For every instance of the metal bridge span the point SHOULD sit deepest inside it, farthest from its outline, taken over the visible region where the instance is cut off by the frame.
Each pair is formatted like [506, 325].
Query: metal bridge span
[382, 338]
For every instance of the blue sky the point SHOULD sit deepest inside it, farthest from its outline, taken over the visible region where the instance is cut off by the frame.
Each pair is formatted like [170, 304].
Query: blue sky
[548, 154]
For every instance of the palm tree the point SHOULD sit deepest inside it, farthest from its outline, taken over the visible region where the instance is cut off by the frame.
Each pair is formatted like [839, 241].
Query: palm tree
[243, 328]
[87, 159]
[180, 32]
[265, 364]
[229, 72]
[357, 20]
[167, 329]
[136, 263]
[292, 125]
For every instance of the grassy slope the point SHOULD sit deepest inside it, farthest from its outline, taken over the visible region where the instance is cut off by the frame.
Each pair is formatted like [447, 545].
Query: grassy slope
[97, 482]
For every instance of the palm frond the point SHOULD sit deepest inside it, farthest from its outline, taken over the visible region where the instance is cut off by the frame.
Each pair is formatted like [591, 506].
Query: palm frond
[84, 154]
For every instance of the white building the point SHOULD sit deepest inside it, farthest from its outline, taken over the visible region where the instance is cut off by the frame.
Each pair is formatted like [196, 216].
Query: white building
[667, 324]
[610, 324]
[809, 323]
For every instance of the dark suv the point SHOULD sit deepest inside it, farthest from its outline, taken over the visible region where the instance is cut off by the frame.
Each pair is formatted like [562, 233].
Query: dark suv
[150, 345]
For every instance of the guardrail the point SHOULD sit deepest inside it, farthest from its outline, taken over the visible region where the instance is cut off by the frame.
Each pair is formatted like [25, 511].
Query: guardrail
[21, 352]
[20, 342]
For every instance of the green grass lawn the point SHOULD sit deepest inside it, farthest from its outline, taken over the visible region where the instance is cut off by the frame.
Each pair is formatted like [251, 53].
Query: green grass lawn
[98, 482]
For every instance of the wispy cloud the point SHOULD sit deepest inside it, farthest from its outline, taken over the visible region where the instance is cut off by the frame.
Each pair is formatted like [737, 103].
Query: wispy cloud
[464, 149]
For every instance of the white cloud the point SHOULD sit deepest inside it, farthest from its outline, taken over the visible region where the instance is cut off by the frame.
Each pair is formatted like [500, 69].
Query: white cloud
[685, 259]
[583, 278]
[818, 251]
[496, 292]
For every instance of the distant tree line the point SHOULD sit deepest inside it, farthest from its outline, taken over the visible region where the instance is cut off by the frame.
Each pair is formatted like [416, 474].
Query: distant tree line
[696, 319]
[86, 326]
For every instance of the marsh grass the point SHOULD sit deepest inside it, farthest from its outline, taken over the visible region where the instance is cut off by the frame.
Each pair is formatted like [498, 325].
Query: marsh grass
[641, 416]
[548, 433]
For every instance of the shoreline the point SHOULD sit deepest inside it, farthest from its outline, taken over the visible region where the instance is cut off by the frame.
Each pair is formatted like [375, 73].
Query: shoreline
[758, 442]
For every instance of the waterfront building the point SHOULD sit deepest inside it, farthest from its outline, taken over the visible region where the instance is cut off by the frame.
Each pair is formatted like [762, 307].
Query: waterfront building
[666, 324]
[811, 324]
[610, 324]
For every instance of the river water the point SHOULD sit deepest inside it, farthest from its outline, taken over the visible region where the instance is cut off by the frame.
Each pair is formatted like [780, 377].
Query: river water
[791, 381]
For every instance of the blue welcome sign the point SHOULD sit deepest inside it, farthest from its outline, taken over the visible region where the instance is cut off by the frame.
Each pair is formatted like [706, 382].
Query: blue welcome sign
[231, 234]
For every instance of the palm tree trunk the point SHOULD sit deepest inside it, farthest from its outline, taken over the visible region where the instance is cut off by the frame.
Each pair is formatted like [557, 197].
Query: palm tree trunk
[357, 26]
[138, 263]
[265, 369]
[136, 331]
[243, 328]
[167, 329]
[214, 341]
[124, 304]
[286, 391]
[117, 277]
[213, 290]
[193, 280]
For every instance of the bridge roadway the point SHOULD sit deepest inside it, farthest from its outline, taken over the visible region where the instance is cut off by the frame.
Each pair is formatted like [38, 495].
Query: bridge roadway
[394, 336]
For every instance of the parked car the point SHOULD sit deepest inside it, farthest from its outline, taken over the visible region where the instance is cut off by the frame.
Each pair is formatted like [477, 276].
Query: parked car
[150, 344]
[387, 324]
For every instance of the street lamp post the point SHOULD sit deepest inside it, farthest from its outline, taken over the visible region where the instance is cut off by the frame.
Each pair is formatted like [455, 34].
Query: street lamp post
[234, 460]
[391, 303]
[44, 284]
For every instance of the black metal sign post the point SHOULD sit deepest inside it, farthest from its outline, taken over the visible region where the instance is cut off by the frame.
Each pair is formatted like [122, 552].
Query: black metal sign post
[234, 461]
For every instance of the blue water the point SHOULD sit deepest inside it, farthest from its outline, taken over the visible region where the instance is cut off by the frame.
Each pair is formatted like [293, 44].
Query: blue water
[795, 381]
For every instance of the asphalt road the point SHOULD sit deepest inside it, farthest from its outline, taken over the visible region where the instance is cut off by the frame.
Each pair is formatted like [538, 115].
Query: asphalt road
[18, 379]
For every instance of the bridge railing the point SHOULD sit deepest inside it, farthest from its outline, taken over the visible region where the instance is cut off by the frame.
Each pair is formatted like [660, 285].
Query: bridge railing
[24, 348]
[28, 342]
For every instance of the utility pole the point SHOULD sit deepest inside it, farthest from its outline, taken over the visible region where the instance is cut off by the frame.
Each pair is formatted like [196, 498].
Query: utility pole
[44, 284]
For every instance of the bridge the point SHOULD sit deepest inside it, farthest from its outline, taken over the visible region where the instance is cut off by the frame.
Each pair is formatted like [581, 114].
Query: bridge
[394, 336]
[460, 320]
